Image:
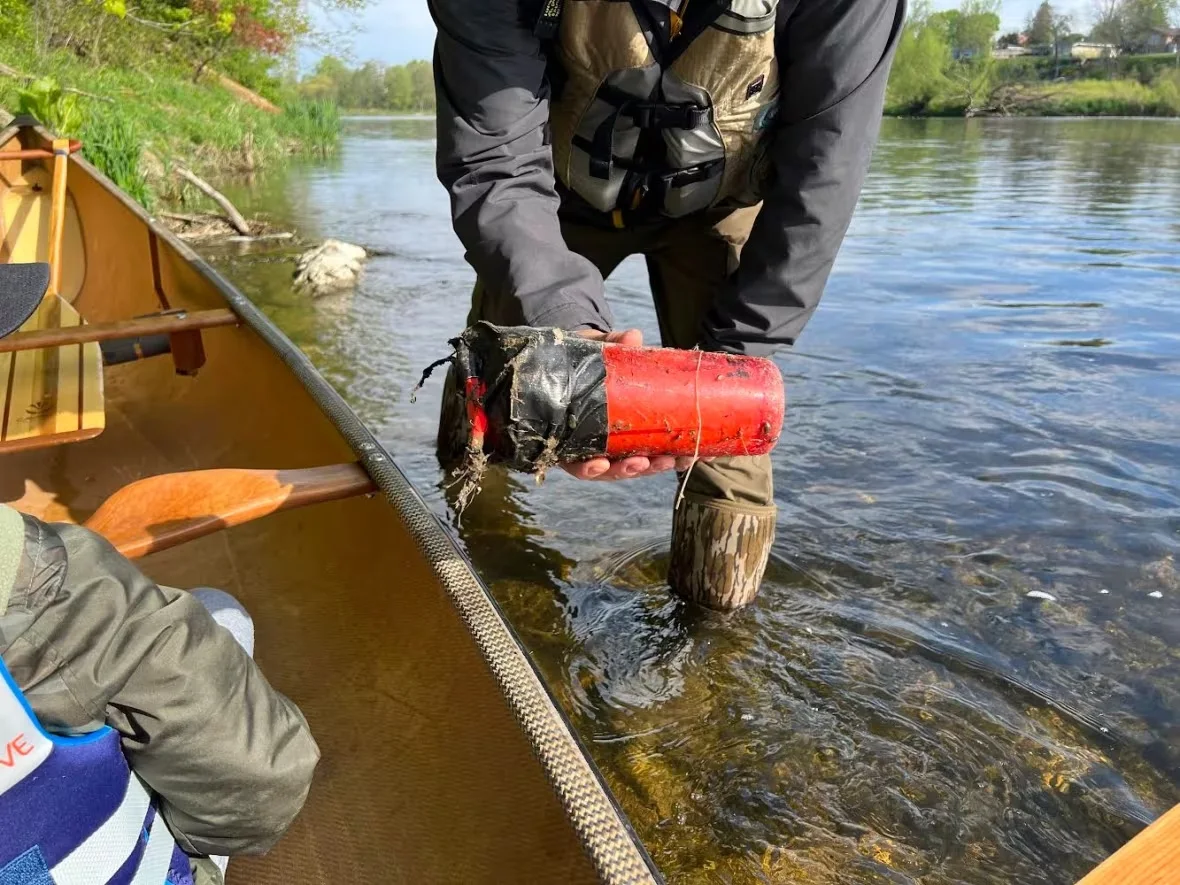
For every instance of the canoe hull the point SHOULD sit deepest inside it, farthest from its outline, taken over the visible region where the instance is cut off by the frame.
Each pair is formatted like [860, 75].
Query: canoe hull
[444, 758]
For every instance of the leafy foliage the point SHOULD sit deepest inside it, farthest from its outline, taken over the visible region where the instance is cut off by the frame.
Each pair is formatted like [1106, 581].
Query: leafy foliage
[45, 100]
[1130, 24]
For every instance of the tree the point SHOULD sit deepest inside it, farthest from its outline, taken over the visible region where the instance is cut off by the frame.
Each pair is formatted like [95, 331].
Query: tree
[974, 27]
[326, 81]
[407, 87]
[1129, 24]
[1059, 25]
[1142, 17]
[365, 87]
[1009, 39]
[421, 85]
[1109, 23]
[922, 58]
[399, 90]
[1040, 26]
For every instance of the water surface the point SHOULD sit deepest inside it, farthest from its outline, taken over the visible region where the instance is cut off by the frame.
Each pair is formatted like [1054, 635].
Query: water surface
[963, 667]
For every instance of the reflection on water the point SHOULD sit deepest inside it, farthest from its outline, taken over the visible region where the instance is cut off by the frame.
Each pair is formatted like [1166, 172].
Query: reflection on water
[963, 667]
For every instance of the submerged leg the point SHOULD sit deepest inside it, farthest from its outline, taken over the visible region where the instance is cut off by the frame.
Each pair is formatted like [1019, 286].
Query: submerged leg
[723, 528]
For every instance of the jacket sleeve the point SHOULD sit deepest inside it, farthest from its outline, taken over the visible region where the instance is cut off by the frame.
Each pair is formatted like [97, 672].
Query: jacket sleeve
[834, 58]
[494, 158]
[230, 757]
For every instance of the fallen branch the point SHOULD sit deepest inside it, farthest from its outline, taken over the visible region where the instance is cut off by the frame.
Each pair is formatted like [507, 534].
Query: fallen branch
[231, 213]
[181, 216]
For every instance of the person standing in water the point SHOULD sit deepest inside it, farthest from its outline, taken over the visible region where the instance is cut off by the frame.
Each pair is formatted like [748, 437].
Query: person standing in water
[727, 141]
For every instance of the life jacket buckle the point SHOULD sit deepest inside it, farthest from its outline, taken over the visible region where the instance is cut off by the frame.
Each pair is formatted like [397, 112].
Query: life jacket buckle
[650, 115]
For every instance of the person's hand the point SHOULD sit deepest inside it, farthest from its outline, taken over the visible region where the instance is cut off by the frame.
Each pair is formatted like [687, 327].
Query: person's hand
[604, 469]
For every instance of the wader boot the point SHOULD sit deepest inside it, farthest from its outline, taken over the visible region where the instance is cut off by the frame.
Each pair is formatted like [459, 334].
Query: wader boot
[722, 532]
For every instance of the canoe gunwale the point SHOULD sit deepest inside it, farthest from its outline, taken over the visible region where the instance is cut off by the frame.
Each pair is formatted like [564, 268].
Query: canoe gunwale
[600, 824]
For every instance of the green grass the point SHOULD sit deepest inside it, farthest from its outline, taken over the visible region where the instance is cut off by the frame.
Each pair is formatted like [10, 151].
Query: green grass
[158, 108]
[1125, 97]
[314, 124]
[112, 143]
[1122, 98]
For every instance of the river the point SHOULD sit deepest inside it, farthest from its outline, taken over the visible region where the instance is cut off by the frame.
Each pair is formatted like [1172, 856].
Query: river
[964, 666]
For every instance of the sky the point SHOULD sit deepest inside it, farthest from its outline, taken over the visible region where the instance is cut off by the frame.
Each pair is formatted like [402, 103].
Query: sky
[397, 31]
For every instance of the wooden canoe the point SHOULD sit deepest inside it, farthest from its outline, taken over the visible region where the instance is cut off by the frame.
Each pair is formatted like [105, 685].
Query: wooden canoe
[226, 460]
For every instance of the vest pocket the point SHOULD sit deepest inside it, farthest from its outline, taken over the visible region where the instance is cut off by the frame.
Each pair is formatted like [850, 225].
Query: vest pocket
[695, 157]
[607, 137]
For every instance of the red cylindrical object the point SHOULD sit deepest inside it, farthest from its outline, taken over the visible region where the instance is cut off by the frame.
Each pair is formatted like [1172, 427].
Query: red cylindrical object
[659, 399]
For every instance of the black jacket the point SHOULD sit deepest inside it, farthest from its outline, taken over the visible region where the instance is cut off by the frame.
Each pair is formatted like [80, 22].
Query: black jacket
[493, 105]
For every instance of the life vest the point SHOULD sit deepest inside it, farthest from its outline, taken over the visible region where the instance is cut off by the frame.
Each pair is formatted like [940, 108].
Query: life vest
[659, 128]
[72, 811]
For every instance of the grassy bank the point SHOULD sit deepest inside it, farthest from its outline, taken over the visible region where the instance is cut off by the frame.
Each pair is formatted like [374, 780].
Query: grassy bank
[135, 122]
[1003, 90]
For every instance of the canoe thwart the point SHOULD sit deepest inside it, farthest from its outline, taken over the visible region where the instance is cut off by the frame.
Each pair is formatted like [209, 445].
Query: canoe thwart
[163, 511]
[39, 153]
[168, 323]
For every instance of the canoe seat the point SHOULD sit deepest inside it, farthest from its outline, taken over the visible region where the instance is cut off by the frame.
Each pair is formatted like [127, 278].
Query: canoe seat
[162, 511]
[51, 395]
[24, 284]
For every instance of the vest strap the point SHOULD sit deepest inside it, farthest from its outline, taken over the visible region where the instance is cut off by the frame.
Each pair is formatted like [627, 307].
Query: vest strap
[655, 114]
[549, 20]
[694, 25]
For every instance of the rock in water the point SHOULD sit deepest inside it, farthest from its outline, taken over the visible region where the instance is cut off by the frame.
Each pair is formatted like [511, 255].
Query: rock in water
[329, 267]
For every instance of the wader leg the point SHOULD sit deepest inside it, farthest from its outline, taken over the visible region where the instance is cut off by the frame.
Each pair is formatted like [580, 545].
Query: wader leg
[724, 527]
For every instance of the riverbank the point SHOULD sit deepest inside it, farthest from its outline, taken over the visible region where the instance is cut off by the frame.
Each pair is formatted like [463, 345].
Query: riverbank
[1062, 98]
[138, 123]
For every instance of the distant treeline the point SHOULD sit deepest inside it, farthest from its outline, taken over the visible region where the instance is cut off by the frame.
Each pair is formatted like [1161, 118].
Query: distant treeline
[372, 86]
[946, 64]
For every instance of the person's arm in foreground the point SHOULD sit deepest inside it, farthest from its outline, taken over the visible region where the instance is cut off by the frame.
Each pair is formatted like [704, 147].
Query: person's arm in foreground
[834, 58]
[230, 758]
[493, 156]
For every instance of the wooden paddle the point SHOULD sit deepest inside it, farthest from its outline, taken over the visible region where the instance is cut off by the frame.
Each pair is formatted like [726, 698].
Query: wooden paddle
[159, 512]
[1151, 858]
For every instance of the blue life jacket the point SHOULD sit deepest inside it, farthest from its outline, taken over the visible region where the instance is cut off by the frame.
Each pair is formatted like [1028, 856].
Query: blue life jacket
[71, 810]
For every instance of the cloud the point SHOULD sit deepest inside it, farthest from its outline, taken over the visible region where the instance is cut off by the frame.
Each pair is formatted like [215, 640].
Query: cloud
[388, 31]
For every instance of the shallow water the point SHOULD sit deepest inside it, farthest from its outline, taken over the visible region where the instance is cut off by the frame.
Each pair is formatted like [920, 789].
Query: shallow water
[986, 406]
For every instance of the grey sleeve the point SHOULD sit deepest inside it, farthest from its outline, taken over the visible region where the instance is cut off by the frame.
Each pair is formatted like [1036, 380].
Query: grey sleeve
[230, 758]
[494, 158]
[834, 58]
